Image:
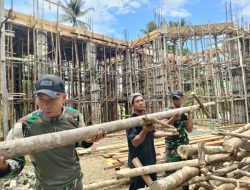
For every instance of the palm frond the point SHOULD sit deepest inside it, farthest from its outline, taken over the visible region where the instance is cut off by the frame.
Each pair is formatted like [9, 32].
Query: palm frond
[73, 10]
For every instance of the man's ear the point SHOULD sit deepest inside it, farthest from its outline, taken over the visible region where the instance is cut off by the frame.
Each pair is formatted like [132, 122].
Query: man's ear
[64, 96]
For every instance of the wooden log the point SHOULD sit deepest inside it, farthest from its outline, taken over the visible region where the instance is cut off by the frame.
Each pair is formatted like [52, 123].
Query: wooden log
[210, 159]
[205, 185]
[186, 151]
[196, 179]
[225, 170]
[245, 145]
[201, 104]
[176, 179]
[242, 182]
[231, 134]
[226, 186]
[234, 143]
[102, 184]
[201, 154]
[146, 178]
[29, 145]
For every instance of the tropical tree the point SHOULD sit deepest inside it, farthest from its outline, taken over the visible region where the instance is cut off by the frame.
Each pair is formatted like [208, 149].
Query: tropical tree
[151, 26]
[173, 42]
[181, 22]
[73, 12]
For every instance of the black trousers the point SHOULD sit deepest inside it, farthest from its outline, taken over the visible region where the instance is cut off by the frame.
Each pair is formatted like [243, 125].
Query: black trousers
[138, 182]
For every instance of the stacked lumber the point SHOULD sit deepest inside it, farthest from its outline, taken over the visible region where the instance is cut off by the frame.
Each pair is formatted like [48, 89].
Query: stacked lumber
[119, 152]
[221, 167]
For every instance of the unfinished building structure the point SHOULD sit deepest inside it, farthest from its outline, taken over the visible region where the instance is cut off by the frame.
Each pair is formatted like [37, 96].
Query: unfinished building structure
[211, 60]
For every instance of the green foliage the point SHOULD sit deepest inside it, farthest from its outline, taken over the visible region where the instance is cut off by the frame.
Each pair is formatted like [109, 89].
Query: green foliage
[73, 10]
[181, 22]
[151, 26]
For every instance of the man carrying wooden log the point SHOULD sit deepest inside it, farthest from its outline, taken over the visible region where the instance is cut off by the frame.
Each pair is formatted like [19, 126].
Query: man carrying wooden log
[183, 124]
[58, 168]
[141, 141]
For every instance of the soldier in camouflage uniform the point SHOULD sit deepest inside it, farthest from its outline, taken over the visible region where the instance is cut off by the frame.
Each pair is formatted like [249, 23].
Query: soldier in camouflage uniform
[183, 123]
[59, 168]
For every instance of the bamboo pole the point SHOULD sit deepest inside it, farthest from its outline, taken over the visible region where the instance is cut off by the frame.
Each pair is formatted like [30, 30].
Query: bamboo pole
[29, 145]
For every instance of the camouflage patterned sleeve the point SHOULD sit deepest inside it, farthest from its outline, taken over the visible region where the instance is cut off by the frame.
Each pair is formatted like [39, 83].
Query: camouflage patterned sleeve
[15, 164]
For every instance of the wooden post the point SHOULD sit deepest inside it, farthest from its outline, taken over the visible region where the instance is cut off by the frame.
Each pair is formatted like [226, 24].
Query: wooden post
[146, 178]
[3, 86]
[29, 145]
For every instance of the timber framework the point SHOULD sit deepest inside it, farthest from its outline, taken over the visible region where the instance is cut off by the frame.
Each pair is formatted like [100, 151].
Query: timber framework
[211, 60]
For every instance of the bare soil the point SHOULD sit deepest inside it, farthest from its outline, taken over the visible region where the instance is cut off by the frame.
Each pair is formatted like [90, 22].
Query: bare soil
[93, 164]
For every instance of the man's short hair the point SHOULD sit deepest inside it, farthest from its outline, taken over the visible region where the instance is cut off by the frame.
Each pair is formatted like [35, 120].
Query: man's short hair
[51, 85]
[133, 96]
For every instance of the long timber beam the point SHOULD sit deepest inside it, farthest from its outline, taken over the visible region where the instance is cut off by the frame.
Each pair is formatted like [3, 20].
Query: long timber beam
[29, 145]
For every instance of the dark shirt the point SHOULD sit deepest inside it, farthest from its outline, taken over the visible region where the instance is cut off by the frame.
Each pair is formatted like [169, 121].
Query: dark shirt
[145, 151]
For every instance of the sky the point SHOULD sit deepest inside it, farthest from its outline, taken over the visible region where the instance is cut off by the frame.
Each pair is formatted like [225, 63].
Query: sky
[115, 18]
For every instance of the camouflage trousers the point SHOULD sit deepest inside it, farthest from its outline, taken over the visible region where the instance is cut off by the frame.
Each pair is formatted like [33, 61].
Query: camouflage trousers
[173, 156]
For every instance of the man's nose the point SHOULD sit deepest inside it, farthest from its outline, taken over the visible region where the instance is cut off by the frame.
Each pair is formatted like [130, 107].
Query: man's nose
[46, 104]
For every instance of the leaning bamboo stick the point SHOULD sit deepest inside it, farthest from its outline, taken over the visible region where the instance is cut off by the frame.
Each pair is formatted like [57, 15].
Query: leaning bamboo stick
[29, 145]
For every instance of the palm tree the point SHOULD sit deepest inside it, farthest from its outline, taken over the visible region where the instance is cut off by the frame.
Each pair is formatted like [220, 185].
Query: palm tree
[151, 26]
[73, 10]
[173, 42]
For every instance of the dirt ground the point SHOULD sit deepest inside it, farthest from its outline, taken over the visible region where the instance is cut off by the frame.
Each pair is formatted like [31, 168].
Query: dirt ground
[93, 164]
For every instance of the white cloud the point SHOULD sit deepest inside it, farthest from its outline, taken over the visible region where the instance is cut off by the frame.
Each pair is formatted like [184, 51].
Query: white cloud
[174, 8]
[246, 11]
[239, 7]
[104, 16]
